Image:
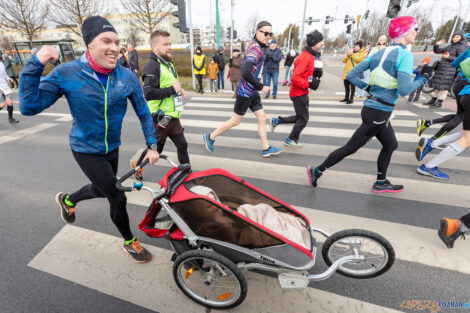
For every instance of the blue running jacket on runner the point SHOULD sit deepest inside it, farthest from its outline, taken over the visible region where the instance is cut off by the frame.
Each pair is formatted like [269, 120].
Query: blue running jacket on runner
[399, 65]
[456, 64]
[253, 54]
[97, 110]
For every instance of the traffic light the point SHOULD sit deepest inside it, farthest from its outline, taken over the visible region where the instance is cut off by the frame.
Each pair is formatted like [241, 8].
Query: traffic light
[309, 21]
[366, 15]
[410, 2]
[180, 14]
[229, 32]
[346, 19]
[348, 29]
[464, 26]
[234, 34]
[327, 20]
[393, 8]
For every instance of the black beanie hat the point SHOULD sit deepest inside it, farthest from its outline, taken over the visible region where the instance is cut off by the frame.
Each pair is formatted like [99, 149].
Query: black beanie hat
[262, 24]
[314, 37]
[93, 26]
[359, 43]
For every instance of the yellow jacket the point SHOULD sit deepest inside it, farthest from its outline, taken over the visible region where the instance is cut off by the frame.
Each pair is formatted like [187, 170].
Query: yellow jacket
[356, 58]
[199, 61]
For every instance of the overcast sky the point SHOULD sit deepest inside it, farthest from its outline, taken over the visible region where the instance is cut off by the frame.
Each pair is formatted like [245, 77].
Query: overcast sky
[282, 12]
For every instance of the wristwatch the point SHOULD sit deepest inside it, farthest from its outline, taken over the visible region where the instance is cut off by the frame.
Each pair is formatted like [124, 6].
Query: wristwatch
[153, 147]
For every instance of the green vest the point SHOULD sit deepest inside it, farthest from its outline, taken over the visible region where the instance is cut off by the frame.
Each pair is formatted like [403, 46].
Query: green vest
[167, 105]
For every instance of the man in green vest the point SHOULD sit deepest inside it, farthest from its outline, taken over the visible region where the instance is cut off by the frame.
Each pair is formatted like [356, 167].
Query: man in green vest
[164, 95]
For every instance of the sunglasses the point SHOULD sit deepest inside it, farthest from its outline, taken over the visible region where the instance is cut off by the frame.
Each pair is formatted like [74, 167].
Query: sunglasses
[267, 33]
[417, 29]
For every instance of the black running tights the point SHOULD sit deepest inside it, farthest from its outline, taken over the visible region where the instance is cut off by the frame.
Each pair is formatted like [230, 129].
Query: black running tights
[101, 170]
[374, 124]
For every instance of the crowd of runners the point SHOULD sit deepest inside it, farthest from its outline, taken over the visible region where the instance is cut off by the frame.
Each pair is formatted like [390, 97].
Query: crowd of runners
[97, 81]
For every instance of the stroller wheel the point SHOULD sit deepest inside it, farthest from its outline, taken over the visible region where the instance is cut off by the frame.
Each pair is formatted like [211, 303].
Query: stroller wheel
[377, 251]
[210, 279]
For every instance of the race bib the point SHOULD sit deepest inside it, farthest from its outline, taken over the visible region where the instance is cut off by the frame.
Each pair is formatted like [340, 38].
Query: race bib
[178, 101]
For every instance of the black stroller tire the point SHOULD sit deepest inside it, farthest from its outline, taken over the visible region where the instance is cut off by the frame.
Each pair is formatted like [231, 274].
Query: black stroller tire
[221, 260]
[384, 244]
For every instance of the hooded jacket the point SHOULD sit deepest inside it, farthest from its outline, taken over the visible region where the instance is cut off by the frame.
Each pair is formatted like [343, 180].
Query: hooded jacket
[352, 61]
[97, 110]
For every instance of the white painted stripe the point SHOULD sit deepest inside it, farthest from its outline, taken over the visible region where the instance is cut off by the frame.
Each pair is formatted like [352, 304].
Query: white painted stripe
[151, 285]
[280, 101]
[307, 149]
[340, 93]
[45, 114]
[312, 109]
[420, 189]
[25, 132]
[411, 243]
[286, 129]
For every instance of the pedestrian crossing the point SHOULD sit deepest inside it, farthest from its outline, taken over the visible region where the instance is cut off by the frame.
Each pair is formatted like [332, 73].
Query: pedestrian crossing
[418, 249]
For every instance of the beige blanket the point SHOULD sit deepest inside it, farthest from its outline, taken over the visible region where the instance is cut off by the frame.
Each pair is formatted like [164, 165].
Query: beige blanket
[285, 224]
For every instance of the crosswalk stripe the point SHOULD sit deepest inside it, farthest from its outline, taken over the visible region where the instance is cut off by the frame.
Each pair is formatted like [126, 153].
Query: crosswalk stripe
[286, 129]
[411, 243]
[25, 132]
[312, 109]
[151, 285]
[416, 190]
[366, 154]
[274, 101]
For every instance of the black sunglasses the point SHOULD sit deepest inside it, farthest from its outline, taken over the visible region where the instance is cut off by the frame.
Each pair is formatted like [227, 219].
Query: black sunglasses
[267, 33]
[417, 29]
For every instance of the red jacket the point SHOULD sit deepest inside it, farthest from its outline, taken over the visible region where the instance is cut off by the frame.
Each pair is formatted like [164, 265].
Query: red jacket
[303, 69]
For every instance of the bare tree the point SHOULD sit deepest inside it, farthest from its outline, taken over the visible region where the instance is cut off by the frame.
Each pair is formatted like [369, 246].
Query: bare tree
[146, 14]
[374, 27]
[25, 16]
[251, 24]
[6, 43]
[282, 38]
[72, 13]
[133, 37]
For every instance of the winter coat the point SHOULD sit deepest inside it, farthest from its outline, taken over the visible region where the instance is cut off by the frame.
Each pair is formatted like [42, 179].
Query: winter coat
[352, 61]
[272, 60]
[219, 58]
[9, 67]
[123, 62]
[97, 110]
[213, 70]
[236, 69]
[199, 64]
[133, 61]
[303, 70]
[289, 59]
[444, 76]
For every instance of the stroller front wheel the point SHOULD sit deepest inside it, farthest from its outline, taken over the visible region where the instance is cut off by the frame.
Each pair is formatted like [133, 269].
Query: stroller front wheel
[378, 253]
[210, 279]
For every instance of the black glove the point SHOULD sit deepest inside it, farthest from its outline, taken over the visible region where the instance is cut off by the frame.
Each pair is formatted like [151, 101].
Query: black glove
[314, 84]
[318, 72]
[427, 70]
[425, 76]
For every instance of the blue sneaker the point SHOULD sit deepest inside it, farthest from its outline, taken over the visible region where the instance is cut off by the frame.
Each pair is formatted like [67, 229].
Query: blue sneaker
[274, 123]
[424, 147]
[209, 143]
[292, 143]
[270, 151]
[313, 175]
[433, 172]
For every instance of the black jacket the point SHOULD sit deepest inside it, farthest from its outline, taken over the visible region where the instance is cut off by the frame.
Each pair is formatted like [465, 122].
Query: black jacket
[289, 59]
[220, 60]
[123, 61]
[151, 78]
[444, 75]
[133, 60]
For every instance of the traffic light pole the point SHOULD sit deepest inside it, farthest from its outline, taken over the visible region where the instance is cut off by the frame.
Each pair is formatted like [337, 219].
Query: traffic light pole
[456, 22]
[217, 22]
[191, 41]
[232, 2]
[303, 27]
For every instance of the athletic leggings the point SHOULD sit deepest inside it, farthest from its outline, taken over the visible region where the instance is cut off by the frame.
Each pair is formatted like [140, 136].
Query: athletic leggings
[101, 170]
[451, 120]
[374, 124]
[349, 89]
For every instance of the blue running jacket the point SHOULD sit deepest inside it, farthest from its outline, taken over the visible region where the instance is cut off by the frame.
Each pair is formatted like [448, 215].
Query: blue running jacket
[97, 110]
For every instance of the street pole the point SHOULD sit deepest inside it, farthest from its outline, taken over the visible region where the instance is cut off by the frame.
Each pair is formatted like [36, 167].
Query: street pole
[402, 5]
[456, 22]
[232, 2]
[217, 22]
[288, 38]
[191, 42]
[301, 39]
[362, 19]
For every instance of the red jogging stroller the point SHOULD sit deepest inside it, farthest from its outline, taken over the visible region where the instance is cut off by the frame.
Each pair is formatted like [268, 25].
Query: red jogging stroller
[199, 213]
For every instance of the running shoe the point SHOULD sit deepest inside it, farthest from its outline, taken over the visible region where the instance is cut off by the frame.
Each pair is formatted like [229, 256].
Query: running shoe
[274, 123]
[421, 127]
[433, 172]
[292, 143]
[424, 147]
[66, 212]
[313, 175]
[137, 252]
[449, 231]
[208, 142]
[386, 187]
[270, 152]
[138, 175]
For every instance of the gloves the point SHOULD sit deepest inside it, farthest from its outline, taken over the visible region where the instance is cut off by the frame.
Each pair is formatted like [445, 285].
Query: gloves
[318, 72]
[314, 84]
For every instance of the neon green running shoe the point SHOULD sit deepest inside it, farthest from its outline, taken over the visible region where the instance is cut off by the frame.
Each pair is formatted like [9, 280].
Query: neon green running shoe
[420, 127]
